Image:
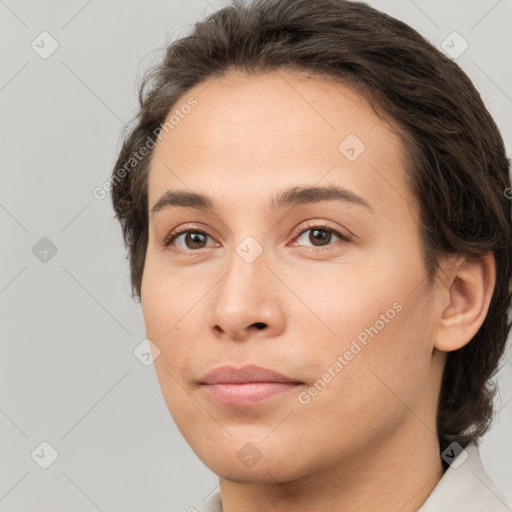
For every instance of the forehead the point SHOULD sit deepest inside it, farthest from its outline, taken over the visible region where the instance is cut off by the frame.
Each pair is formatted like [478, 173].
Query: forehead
[261, 132]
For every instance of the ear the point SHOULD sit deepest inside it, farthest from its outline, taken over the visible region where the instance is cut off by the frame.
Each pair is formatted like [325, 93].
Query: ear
[469, 286]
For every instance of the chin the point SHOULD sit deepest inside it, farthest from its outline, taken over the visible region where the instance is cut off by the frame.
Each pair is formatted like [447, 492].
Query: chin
[251, 461]
[263, 473]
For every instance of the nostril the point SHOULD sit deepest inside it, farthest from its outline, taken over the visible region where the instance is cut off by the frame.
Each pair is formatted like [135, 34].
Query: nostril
[260, 325]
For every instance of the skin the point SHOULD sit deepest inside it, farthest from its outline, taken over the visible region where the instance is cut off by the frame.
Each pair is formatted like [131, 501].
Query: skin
[367, 441]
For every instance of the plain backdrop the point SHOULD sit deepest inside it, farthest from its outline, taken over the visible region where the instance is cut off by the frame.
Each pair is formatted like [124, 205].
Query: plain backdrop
[69, 375]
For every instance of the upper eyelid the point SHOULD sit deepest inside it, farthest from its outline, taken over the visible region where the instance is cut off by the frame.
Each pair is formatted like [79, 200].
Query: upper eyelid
[322, 225]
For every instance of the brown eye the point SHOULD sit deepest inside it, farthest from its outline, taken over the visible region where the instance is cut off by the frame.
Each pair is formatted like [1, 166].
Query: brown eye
[190, 240]
[194, 240]
[320, 236]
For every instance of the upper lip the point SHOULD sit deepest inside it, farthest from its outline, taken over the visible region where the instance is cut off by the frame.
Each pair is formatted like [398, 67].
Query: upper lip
[249, 373]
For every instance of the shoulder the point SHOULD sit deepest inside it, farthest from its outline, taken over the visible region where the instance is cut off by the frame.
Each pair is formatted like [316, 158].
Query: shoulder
[465, 486]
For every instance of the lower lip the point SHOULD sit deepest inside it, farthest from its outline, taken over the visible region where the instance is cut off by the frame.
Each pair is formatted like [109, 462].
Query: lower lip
[243, 395]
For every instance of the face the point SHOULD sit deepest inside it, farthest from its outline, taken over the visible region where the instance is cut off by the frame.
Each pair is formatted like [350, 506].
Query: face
[304, 259]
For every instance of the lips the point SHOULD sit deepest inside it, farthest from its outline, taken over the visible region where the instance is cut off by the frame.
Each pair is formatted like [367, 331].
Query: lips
[246, 386]
[246, 374]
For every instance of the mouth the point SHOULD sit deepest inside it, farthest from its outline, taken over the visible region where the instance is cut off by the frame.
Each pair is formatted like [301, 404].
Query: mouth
[247, 386]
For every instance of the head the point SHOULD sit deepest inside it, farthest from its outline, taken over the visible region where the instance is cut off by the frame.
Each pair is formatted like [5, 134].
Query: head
[385, 292]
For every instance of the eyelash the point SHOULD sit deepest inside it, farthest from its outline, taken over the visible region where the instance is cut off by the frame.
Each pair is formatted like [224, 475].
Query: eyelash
[323, 227]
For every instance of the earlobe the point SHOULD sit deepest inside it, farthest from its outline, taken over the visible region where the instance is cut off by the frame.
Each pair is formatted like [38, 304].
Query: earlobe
[470, 288]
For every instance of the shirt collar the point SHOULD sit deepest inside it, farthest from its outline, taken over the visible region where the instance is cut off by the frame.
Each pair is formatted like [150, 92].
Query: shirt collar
[465, 485]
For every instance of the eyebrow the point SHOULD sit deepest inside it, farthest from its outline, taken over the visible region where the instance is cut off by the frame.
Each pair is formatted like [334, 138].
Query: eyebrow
[299, 195]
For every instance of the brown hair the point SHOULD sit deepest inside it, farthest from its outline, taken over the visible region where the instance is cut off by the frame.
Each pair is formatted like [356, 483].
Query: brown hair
[457, 164]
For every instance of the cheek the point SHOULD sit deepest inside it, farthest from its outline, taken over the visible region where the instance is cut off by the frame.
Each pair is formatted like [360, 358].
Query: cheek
[373, 336]
[165, 329]
[168, 302]
[164, 313]
[371, 392]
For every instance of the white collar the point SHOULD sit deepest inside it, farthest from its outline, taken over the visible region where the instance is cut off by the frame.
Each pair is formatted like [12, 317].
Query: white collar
[465, 486]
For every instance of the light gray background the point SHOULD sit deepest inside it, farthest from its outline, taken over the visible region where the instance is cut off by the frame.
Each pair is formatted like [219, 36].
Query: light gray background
[68, 326]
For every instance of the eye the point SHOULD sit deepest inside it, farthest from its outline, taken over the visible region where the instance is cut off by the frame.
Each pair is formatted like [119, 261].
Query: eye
[320, 236]
[192, 239]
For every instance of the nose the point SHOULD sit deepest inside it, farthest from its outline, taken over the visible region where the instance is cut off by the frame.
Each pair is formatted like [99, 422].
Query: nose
[247, 303]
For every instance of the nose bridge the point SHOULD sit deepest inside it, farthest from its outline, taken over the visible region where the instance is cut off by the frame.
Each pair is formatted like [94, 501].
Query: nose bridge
[247, 275]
